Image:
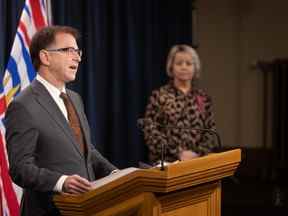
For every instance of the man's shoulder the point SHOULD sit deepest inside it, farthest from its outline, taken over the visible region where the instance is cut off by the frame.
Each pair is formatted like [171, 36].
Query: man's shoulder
[72, 92]
[25, 95]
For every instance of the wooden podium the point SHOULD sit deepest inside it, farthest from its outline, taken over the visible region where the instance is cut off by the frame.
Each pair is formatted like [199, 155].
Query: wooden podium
[184, 188]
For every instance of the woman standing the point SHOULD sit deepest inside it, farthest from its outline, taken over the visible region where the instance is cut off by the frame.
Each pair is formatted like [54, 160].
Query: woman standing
[177, 107]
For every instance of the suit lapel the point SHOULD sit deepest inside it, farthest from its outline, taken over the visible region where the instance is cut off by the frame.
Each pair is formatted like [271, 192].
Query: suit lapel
[46, 101]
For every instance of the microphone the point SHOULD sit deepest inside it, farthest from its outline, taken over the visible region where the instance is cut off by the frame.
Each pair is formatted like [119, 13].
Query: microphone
[142, 122]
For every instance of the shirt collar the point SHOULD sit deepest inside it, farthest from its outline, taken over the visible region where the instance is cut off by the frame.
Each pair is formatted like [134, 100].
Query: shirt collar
[55, 92]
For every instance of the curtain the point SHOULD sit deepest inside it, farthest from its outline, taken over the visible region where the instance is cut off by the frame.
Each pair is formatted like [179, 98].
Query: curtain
[280, 114]
[10, 11]
[125, 45]
[276, 124]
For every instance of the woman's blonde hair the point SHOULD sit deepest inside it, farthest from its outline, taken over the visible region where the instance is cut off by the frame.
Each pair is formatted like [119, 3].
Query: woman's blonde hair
[182, 48]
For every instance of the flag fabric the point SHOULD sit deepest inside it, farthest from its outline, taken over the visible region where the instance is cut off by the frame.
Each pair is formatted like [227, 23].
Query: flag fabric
[18, 75]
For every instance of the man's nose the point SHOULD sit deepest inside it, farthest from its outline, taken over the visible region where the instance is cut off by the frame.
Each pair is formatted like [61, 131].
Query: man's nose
[77, 57]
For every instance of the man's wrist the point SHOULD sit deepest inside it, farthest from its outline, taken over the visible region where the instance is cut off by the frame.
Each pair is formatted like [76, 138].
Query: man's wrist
[60, 183]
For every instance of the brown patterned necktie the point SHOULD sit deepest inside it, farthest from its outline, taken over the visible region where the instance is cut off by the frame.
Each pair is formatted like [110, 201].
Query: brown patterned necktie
[74, 121]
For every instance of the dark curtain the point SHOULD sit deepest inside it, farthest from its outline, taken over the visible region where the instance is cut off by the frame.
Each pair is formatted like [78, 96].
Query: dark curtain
[125, 45]
[279, 69]
[10, 11]
[276, 93]
[280, 113]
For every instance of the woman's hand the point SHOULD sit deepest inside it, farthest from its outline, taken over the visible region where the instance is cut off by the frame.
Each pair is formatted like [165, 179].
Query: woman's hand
[187, 155]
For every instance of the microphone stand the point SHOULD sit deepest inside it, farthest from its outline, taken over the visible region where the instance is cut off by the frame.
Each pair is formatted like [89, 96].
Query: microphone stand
[163, 150]
[142, 122]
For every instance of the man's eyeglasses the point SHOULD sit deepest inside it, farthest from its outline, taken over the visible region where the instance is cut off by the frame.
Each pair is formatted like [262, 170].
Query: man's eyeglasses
[69, 50]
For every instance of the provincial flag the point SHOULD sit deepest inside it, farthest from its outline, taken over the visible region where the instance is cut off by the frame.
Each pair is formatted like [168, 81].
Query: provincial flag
[18, 75]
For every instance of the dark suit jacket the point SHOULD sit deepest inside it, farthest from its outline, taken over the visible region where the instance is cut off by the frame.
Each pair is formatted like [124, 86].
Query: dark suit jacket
[41, 147]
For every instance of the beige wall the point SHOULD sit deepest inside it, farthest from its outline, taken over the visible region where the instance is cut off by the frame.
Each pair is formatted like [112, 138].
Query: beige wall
[233, 35]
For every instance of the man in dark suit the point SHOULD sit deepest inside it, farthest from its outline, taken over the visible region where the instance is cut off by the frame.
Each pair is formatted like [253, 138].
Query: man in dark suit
[48, 136]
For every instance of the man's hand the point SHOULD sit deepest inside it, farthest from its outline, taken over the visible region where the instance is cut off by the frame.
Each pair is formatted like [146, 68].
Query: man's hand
[187, 155]
[75, 184]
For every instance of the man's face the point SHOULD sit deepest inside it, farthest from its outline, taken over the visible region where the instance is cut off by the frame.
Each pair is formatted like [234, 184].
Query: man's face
[64, 63]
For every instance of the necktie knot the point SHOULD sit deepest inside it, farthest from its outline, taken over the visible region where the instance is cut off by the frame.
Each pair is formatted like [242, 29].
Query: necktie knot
[64, 96]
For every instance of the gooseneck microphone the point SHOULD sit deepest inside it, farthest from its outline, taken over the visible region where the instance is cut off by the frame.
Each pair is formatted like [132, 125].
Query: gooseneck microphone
[142, 122]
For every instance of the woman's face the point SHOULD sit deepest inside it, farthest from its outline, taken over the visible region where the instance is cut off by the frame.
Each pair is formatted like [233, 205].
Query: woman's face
[183, 67]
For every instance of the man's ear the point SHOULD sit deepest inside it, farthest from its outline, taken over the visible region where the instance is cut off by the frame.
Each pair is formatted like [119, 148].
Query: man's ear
[44, 57]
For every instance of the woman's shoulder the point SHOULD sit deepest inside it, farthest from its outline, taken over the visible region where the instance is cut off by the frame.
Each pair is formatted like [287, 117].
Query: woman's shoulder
[164, 89]
[202, 93]
[160, 94]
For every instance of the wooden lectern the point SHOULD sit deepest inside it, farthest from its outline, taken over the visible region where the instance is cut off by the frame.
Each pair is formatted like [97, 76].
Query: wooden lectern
[184, 188]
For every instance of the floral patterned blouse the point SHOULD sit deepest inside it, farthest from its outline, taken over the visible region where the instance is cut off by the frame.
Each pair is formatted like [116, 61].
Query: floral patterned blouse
[169, 107]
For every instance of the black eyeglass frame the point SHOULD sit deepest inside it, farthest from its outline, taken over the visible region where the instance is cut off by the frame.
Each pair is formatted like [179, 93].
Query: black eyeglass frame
[68, 50]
